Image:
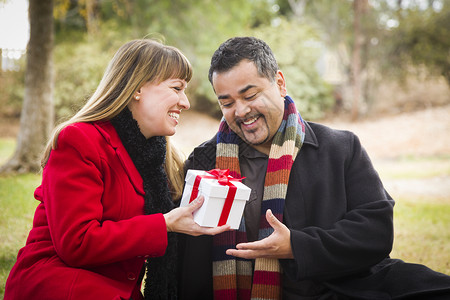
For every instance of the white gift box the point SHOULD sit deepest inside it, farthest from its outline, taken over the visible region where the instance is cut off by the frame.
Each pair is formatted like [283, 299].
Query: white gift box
[215, 194]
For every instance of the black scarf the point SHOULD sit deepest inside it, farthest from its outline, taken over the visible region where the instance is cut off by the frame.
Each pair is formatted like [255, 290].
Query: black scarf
[148, 155]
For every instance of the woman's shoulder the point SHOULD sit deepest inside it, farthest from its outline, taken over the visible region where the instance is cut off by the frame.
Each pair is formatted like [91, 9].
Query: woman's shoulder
[80, 134]
[78, 128]
[84, 128]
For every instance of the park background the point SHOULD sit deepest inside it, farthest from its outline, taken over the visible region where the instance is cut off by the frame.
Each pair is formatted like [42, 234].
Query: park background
[380, 68]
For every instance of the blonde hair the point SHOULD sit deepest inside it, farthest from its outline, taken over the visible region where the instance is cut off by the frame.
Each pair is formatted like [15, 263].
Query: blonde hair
[134, 64]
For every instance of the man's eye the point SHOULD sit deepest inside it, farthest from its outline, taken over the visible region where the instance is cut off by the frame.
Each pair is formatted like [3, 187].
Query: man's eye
[250, 97]
[177, 88]
[226, 104]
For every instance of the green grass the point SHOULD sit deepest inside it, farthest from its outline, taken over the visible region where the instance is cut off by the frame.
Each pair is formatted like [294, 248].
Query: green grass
[422, 225]
[422, 233]
[6, 148]
[16, 215]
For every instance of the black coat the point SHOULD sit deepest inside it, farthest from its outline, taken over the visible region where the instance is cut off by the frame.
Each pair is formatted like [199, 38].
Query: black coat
[340, 218]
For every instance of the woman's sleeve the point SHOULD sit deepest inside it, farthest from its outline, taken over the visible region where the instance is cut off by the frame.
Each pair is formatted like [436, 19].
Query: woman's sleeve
[73, 187]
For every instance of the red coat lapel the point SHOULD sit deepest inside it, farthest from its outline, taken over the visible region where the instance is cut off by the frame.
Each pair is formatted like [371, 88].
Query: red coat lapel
[109, 133]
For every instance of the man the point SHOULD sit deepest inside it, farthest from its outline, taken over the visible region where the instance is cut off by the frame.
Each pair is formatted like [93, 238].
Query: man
[318, 224]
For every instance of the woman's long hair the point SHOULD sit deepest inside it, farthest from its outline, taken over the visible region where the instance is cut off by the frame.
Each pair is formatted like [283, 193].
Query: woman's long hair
[134, 64]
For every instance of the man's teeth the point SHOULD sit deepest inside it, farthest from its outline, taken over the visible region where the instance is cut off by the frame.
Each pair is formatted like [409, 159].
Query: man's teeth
[250, 121]
[174, 116]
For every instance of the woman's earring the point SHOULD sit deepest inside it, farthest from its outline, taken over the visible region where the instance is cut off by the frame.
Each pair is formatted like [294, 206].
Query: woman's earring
[137, 97]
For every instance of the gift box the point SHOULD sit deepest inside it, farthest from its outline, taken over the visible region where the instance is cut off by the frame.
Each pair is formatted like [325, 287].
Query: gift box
[225, 197]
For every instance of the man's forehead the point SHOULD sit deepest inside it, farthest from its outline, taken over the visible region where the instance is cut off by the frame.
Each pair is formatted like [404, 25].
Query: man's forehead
[237, 80]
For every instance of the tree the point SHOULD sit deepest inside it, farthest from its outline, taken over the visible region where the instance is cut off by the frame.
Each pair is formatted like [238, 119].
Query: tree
[421, 40]
[36, 120]
[297, 51]
[298, 7]
[180, 23]
[351, 36]
[359, 7]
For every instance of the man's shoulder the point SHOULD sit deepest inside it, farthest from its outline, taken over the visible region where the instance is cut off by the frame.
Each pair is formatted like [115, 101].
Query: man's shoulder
[323, 132]
[203, 156]
[208, 146]
[326, 138]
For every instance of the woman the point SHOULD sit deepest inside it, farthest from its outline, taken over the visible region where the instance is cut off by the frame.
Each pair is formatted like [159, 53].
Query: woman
[107, 189]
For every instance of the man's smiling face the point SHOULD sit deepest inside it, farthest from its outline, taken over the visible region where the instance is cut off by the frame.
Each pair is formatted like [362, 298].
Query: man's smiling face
[252, 105]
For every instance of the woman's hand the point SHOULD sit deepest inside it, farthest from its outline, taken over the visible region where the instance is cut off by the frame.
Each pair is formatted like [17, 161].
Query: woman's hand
[181, 220]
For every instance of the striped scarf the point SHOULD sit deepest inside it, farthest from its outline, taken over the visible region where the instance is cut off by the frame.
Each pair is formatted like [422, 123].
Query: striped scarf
[234, 278]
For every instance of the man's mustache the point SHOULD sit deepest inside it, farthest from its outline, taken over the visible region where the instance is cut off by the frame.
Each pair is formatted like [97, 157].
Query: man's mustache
[240, 120]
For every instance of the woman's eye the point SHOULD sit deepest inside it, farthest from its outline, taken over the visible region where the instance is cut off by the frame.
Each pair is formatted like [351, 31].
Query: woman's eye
[177, 88]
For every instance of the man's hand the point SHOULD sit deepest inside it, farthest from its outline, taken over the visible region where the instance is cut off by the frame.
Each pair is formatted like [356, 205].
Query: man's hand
[276, 245]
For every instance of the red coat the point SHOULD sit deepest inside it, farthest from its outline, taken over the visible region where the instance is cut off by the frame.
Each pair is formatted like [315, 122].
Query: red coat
[89, 238]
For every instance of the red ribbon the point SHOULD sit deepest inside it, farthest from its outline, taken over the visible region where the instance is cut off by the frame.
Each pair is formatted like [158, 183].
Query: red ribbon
[223, 179]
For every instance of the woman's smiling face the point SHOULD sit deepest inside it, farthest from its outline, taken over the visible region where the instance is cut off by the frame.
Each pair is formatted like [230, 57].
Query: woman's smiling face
[157, 106]
[252, 105]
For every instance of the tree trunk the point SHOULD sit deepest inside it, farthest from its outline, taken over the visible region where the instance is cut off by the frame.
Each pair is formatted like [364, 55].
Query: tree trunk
[356, 57]
[92, 14]
[298, 7]
[36, 120]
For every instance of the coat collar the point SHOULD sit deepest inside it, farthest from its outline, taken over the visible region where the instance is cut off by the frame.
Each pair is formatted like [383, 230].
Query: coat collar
[109, 133]
[310, 136]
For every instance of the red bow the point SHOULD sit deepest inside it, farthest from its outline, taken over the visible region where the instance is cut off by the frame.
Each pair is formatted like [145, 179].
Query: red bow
[222, 176]
[224, 179]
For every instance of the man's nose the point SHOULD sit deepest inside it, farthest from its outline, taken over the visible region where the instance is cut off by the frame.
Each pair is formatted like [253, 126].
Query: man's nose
[242, 109]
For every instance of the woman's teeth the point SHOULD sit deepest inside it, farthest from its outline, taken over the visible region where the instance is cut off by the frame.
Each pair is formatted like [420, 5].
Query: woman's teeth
[250, 121]
[174, 116]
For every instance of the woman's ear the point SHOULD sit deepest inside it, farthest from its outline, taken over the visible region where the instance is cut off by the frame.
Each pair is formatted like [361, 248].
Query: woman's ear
[279, 79]
[137, 94]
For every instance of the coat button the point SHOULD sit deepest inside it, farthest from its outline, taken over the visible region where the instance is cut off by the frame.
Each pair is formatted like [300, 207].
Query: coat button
[131, 276]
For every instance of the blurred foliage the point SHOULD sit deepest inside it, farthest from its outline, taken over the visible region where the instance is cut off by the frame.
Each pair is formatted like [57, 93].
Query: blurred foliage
[78, 67]
[180, 23]
[402, 39]
[198, 29]
[334, 20]
[422, 39]
[297, 51]
[88, 32]
[13, 90]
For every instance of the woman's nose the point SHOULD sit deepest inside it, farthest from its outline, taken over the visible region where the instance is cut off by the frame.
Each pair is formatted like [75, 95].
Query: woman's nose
[184, 102]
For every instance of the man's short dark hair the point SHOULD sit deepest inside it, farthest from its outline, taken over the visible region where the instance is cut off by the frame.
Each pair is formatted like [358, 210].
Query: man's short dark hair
[234, 50]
